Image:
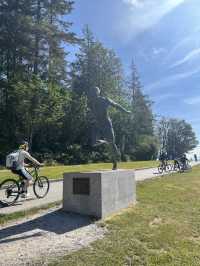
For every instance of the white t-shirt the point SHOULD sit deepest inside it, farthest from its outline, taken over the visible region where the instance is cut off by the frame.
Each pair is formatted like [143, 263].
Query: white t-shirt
[22, 156]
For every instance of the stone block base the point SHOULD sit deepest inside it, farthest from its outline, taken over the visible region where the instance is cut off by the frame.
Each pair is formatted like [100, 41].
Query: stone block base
[99, 193]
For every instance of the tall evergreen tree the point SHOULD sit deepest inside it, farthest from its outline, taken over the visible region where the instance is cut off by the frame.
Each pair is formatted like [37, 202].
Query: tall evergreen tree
[140, 141]
[33, 34]
[32, 38]
[96, 66]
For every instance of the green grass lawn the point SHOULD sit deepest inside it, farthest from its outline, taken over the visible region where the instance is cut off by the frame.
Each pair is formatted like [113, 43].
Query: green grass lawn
[57, 171]
[162, 229]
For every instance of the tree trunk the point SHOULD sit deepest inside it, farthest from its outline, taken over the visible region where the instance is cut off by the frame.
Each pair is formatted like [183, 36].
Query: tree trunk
[37, 38]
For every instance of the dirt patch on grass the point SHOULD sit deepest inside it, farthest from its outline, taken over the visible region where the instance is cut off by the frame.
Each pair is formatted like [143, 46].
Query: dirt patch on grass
[46, 236]
[156, 222]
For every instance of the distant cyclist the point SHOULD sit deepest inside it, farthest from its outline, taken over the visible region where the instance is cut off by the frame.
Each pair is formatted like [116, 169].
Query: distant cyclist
[163, 158]
[20, 166]
[184, 161]
[176, 165]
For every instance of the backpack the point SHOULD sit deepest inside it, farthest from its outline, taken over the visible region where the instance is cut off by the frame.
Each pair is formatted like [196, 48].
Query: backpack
[12, 160]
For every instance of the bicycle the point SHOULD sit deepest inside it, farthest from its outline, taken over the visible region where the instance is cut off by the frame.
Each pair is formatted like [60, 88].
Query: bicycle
[175, 166]
[185, 167]
[11, 189]
[164, 167]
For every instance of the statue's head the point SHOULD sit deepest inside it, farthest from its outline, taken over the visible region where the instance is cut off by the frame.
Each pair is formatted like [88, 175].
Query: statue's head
[95, 92]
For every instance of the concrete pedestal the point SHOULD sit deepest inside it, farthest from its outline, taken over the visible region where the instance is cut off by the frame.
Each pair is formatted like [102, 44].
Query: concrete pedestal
[98, 193]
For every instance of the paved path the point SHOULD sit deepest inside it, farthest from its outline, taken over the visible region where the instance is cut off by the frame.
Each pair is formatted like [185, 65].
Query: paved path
[55, 193]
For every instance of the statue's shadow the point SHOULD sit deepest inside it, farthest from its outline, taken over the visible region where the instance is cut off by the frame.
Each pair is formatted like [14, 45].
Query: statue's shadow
[58, 222]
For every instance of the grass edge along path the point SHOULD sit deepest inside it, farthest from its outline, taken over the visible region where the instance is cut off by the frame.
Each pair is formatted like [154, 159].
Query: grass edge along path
[5, 218]
[56, 172]
[163, 228]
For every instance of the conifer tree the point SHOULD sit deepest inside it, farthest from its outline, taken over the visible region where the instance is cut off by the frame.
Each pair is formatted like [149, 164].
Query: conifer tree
[141, 135]
[96, 66]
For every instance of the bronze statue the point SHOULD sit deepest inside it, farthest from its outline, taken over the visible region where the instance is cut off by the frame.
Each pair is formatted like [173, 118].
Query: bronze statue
[103, 132]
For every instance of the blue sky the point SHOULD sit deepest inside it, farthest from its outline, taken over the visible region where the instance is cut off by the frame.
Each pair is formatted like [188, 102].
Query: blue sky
[163, 38]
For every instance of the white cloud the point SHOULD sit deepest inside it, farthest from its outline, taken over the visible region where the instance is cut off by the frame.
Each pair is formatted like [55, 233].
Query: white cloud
[158, 51]
[194, 54]
[135, 3]
[191, 40]
[163, 97]
[143, 14]
[192, 100]
[170, 80]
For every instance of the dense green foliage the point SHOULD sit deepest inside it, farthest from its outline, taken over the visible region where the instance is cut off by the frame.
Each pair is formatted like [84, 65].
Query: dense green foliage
[33, 72]
[140, 142]
[43, 97]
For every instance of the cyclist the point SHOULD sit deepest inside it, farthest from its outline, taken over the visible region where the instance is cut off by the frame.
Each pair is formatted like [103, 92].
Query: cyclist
[184, 160]
[20, 169]
[163, 159]
[176, 164]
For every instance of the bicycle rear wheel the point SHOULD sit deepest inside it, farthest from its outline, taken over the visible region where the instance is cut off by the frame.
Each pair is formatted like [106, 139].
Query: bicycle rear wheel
[168, 168]
[176, 167]
[41, 186]
[9, 192]
[160, 169]
[181, 168]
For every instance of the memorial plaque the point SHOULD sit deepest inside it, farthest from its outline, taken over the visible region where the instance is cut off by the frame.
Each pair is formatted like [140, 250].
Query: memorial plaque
[81, 186]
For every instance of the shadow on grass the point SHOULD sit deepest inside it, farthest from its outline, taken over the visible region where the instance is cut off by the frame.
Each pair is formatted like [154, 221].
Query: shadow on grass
[58, 222]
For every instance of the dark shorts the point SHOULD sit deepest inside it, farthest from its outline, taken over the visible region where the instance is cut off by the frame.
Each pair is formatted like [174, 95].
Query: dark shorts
[24, 174]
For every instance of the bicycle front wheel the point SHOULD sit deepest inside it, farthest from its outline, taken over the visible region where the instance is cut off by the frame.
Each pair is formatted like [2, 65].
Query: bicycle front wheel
[41, 186]
[9, 192]
[176, 168]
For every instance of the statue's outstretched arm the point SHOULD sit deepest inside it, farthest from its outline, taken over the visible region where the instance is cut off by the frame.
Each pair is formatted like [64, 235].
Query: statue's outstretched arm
[118, 106]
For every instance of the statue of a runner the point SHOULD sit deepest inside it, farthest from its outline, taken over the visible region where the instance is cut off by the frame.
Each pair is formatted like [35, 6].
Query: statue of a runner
[103, 132]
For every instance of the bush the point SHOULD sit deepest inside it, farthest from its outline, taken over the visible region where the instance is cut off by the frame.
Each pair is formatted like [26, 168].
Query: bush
[76, 154]
[125, 158]
[147, 149]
